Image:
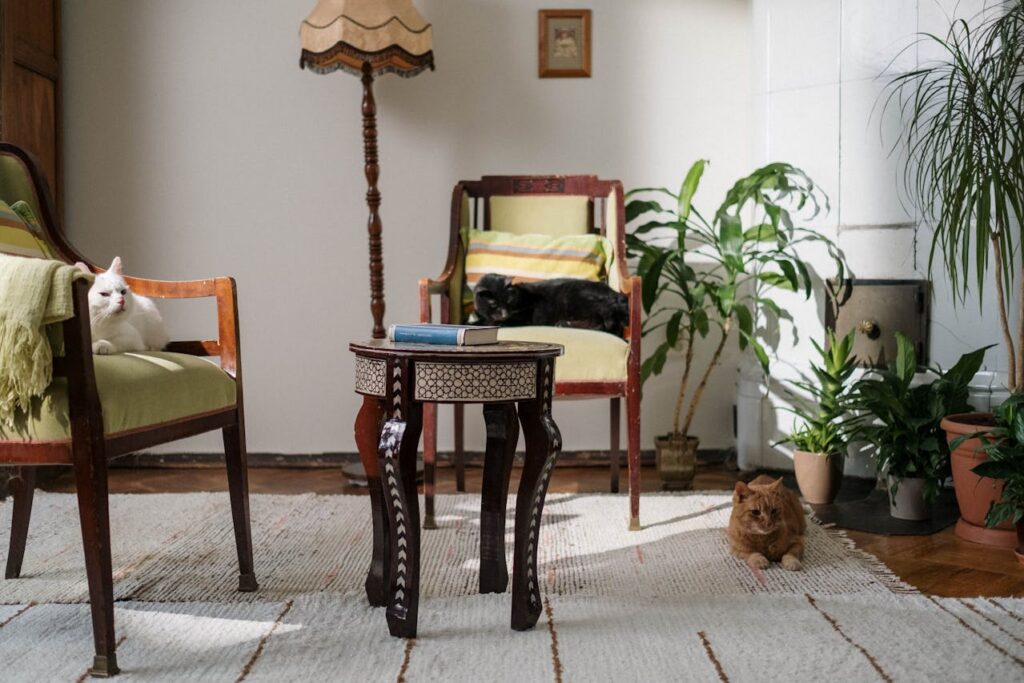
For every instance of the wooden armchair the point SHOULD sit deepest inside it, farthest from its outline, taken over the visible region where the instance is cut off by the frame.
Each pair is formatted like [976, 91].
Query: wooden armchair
[595, 364]
[109, 406]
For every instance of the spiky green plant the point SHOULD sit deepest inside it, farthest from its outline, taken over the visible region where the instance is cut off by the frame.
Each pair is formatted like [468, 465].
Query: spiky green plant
[827, 425]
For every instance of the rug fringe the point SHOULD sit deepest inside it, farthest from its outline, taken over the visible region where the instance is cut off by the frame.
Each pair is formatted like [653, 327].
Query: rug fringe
[875, 566]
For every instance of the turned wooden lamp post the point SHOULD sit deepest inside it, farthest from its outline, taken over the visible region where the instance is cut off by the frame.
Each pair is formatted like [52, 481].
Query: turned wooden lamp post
[367, 38]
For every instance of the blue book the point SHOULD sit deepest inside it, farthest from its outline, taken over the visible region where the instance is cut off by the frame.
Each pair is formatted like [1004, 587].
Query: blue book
[449, 335]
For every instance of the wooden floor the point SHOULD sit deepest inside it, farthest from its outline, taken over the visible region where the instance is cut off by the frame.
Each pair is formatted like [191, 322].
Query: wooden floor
[940, 564]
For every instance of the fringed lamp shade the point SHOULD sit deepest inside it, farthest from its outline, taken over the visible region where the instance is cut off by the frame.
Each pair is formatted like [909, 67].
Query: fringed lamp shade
[389, 35]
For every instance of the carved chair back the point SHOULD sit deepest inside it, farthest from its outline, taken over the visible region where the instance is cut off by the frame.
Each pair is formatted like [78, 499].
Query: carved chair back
[550, 204]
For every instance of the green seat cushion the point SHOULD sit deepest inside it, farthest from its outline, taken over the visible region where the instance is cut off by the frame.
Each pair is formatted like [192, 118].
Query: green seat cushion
[590, 355]
[136, 390]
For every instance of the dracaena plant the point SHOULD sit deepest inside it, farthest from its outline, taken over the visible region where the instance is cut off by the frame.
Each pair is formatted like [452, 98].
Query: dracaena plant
[1004, 446]
[704, 277]
[824, 406]
[901, 418]
[962, 145]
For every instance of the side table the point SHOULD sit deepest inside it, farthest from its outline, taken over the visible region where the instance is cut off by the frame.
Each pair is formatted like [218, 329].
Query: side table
[395, 381]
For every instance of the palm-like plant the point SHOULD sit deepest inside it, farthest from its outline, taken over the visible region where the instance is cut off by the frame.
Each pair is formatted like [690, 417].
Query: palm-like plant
[739, 264]
[963, 149]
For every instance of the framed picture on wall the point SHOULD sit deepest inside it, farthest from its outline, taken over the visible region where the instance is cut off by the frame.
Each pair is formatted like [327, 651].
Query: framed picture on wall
[564, 43]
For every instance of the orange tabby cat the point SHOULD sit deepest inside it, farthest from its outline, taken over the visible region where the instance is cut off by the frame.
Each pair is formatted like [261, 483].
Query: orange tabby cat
[767, 524]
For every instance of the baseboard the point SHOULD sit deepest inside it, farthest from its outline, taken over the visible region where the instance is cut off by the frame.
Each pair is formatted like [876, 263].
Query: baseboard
[340, 459]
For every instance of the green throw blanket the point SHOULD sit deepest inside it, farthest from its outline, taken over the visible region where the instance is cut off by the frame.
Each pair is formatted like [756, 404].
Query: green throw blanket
[33, 294]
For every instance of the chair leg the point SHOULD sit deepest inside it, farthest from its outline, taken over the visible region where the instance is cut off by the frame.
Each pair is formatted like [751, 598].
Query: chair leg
[613, 450]
[94, 513]
[429, 463]
[238, 487]
[459, 457]
[22, 486]
[633, 452]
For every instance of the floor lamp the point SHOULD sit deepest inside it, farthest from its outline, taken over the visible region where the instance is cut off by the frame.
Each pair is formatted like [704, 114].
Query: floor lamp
[367, 38]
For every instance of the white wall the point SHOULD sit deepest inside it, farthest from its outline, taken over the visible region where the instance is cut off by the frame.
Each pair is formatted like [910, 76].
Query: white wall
[821, 68]
[195, 146]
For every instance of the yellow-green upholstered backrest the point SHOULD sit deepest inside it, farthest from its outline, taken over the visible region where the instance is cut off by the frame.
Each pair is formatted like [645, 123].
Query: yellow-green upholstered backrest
[558, 215]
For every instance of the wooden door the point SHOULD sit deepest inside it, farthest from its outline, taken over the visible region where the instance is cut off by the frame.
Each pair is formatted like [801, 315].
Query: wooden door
[30, 83]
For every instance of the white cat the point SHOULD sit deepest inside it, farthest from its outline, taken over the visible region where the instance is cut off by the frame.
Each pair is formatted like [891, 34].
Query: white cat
[120, 320]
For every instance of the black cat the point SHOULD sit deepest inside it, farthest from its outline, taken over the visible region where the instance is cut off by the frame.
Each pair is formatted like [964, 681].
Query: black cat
[563, 302]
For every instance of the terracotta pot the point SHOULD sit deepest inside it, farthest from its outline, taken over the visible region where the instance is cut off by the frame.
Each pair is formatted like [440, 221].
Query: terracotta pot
[676, 458]
[975, 494]
[1019, 552]
[908, 502]
[819, 475]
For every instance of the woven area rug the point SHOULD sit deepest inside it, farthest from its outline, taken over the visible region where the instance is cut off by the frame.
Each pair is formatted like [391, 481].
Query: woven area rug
[664, 603]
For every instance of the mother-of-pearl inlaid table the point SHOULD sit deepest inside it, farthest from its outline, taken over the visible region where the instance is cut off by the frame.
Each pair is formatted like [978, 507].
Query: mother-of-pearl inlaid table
[395, 381]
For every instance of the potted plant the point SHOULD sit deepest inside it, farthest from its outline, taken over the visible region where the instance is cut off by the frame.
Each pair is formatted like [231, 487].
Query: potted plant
[901, 420]
[963, 149]
[1004, 446]
[820, 442]
[705, 278]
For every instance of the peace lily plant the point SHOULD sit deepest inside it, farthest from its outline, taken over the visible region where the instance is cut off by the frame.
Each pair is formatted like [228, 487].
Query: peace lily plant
[705, 277]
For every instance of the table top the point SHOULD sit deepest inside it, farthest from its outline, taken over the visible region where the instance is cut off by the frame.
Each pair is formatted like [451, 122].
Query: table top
[510, 351]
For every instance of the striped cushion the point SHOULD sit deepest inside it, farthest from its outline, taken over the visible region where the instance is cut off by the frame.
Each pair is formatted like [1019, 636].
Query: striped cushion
[532, 257]
[16, 237]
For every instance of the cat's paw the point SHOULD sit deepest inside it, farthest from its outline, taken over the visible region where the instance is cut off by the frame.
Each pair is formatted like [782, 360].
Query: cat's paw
[102, 347]
[792, 563]
[757, 561]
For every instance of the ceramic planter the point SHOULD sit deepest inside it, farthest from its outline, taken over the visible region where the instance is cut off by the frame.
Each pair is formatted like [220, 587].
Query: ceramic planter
[819, 475]
[974, 494]
[676, 458]
[908, 502]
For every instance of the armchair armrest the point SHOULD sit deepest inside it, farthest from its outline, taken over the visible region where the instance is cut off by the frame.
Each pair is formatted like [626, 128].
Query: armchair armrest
[224, 290]
[429, 287]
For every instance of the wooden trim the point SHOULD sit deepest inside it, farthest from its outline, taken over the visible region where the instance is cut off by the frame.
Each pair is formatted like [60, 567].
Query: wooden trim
[590, 389]
[124, 443]
[35, 453]
[543, 70]
[37, 61]
[205, 347]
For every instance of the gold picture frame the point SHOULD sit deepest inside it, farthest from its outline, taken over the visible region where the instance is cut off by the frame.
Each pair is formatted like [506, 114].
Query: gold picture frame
[563, 43]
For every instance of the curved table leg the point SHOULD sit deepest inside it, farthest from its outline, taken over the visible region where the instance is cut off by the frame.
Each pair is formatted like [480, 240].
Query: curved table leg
[367, 439]
[502, 437]
[543, 442]
[399, 440]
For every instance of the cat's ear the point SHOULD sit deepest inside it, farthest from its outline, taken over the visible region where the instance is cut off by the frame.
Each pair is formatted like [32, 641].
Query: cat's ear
[775, 485]
[82, 267]
[741, 491]
[115, 266]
